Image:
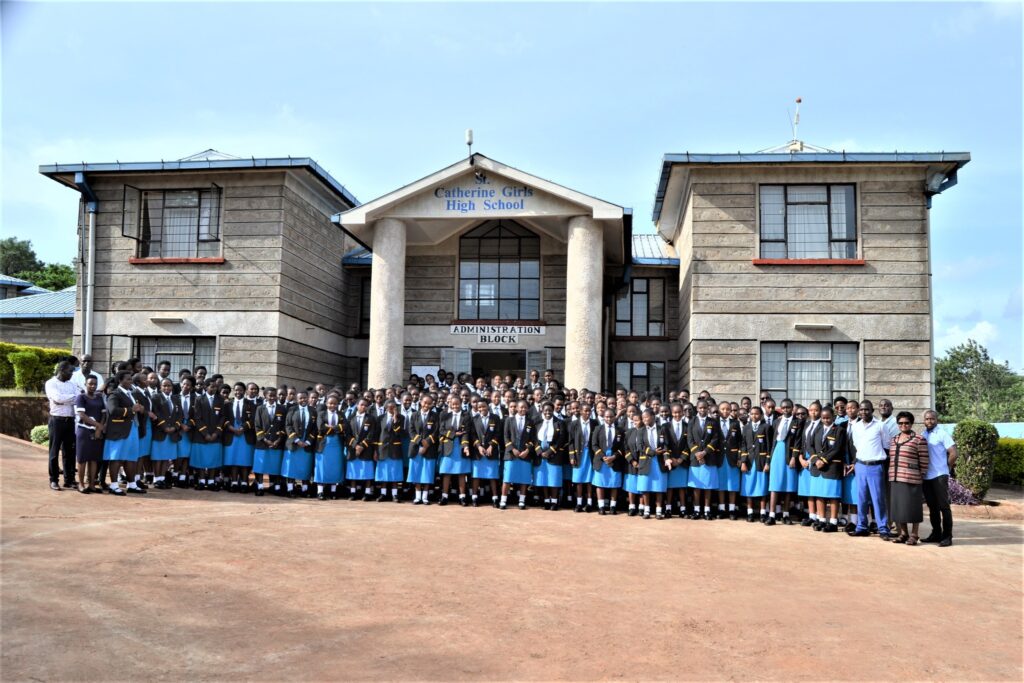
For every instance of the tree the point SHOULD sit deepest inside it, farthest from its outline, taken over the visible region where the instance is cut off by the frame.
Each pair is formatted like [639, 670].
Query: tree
[17, 256]
[51, 276]
[968, 383]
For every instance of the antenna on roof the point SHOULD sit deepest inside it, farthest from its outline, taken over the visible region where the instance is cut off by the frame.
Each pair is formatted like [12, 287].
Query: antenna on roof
[796, 120]
[469, 144]
[795, 144]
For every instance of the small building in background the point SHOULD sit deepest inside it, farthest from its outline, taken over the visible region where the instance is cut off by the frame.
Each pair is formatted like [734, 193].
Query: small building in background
[11, 287]
[39, 319]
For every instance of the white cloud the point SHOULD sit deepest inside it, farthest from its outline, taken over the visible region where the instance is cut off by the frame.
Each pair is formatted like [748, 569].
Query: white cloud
[982, 332]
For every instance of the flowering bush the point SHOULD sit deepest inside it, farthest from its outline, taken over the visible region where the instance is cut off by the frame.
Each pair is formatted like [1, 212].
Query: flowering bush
[959, 495]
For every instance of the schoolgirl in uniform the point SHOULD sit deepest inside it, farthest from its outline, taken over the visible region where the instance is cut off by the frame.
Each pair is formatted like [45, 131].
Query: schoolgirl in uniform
[754, 464]
[810, 445]
[300, 446]
[145, 422]
[486, 447]
[782, 477]
[551, 437]
[649, 462]
[187, 401]
[728, 466]
[677, 459]
[207, 449]
[270, 437]
[633, 445]
[519, 441]
[362, 444]
[849, 477]
[328, 462]
[608, 446]
[407, 410]
[827, 464]
[705, 440]
[581, 455]
[121, 435]
[166, 432]
[423, 444]
[455, 460]
[388, 471]
[239, 437]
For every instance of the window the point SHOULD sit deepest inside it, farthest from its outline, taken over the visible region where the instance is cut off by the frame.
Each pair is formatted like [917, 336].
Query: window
[364, 306]
[644, 376]
[181, 352]
[640, 310]
[808, 222]
[499, 273]
[806, 372]
[173, 223]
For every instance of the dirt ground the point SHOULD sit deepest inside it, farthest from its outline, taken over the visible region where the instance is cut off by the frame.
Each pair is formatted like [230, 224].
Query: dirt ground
[205, 586]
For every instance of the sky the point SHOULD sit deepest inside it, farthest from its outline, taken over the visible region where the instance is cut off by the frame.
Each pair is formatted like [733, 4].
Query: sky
[588, 95]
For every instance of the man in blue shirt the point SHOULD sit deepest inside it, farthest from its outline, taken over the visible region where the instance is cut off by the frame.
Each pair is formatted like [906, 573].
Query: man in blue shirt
[941, 456]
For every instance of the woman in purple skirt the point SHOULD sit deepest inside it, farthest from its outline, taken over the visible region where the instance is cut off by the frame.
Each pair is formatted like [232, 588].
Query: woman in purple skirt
[90, 408]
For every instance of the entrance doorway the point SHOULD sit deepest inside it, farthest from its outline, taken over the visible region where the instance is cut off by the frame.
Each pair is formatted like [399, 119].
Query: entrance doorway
[490, 363]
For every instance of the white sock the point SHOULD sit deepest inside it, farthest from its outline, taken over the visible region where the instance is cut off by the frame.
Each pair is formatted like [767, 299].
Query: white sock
[590, 502]
[732, 506]
[305, 487]
[778, 508]
[721, 507]
[319, 488]
[462, 496]
[334, 488]
[133, 484]
[657, 511]
[853, 517]
[181, 477]
[612, 504]
[114, 486]
[417, 497]
[352, 490]
[291, 486]
[474, 496]
[750, 511]
[394, 493]
[368, 491]
[786, 513]
[504, 499]
[833, 521]
[158, 478]
[707, 509]
[600, 504]
[137, 477]
[632, 506]
[259, 486]
[771, 514]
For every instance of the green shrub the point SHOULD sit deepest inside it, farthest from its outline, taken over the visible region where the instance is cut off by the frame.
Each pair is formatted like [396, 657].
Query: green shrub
[6, 369]
[976, 447]
[1009, 462]
[48, 359]
[40, 434]
[26, 370]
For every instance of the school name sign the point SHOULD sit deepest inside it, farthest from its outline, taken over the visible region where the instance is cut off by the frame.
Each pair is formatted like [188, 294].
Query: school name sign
[483, 197]
[498, 334]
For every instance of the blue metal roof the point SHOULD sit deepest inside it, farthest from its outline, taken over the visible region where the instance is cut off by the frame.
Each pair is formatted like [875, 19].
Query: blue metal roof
[34, 290]
[7, 281]
[650, 250]
[670, 160]
[53, 170]
[52, 305]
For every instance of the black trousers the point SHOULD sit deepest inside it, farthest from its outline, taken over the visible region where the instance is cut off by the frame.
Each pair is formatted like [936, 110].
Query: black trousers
[936, 494]
[62, 437]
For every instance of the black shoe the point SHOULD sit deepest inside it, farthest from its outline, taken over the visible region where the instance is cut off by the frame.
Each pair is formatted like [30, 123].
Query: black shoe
[476, 503]
[818, 526]
[235, 487]
[54, 486]
[707, 516]
[382, 498]
[807, 522]
[770, 521]
[118, 491]
[750, 517]
[764, 517]
[695, 515]
[660, 515]
[873, 528]
[946, 542]
[734, 515]
[136, 490]
[495, 502]
[787, 520]
[647, 514]
[293, 493]
[632, 513]
[321, 496]
[578, 508]
[258, 492]
[522, 506]
[830, 528]
[70, 485]
[859, 534]
[602, 511]
[615, 511]
[885, 536]
[463, 502]
[850, 526]
[502, 506]
[932, 538]
[444, 501]
[418, 501]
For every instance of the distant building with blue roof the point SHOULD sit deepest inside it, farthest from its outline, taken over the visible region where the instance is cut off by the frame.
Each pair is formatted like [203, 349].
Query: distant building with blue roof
[45, 319]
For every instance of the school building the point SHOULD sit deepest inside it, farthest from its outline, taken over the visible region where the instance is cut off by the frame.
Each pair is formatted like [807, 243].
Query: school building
[806, 273]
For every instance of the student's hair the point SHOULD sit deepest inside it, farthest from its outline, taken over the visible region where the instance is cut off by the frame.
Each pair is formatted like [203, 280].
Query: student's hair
[184, 372]
[785, 401]
[121, 374]
[163, 363]
[815, 403]
[120, 366]
[827, 409]
[201, 367]
[64, 365]
[905, 415]
[837, 399]
[758, 409]
[215, 377]
[134, 361]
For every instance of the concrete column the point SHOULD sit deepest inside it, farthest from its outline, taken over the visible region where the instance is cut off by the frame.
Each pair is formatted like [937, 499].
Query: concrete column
[387, 304]
[583, 295]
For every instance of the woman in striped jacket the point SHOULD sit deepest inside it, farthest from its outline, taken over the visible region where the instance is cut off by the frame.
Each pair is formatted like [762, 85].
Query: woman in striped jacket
[908, 461]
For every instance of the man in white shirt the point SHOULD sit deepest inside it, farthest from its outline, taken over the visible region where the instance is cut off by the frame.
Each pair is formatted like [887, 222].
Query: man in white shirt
[84, 372]
[869, 438]
[941, 457]
[62, 392]
[888, 419]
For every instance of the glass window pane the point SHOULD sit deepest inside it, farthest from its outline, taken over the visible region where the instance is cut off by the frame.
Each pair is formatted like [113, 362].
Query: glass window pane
[529, 247]
[529, 310]
[623, 329]
[510, 248]
[844, 250]
[808, 231]
[808, 381]
[489, 247]
[470, 248]
[773, 212]
[488, 289]
[469, 269]
[656, 292]
[529, 268]
[640, 369]
[809, 351]
[467, 310]
[622, 375]
[509, 269]
[529, 289]
[639, 285]
[639, 312]
[656, 377]
[773, 250]
[844, 224]
[844, 368]
[468, 289]
[509, 310]
[773, 367]
[622, 305]
[488, 309]
[807, 193]
[489, 268]
[510, 289]
[656, 329]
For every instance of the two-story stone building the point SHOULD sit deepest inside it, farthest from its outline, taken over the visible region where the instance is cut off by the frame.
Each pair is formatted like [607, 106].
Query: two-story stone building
[805, 273]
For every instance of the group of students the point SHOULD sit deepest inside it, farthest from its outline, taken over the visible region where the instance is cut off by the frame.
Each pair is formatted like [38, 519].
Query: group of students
[500, 438]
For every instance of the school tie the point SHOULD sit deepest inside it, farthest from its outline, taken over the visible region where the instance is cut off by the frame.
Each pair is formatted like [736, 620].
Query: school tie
[610, 438]
[725, 426]
[702, 424]
[334, 419]
[520, 423]
[586, 433]
[238, 410]
[303, 414]
[359, 423]
[455, 421]
[678, 430]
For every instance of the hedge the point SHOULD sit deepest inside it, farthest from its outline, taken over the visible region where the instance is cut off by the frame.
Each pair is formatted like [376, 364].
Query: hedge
[47, 363]
[40, 434]
[976, 442]
[1009, 462]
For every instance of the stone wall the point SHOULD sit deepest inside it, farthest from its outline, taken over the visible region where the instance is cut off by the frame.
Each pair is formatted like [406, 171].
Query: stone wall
[19, 414]
[52, 333]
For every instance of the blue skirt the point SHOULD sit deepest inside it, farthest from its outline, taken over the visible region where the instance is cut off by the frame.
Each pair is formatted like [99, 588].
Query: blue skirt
[456, 463]
[850, 489]
[607, 478]
[486, 468]
[823, 487]
[679, 478]
[629, 483]
[655, 481]
[703, 477]
[164, 450]
[803, 482]
[206, 456]
[266, 461]
[297, 464]
[185, 446]
[781, 477]
[389, 470]
[239, 453]
[146, 443]
[421, 470]
[548, 475]
[728, 477]
[359, 470]
[518, 471]
[754, 484]
[126, 449]
[583, 473]
[327, 466]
